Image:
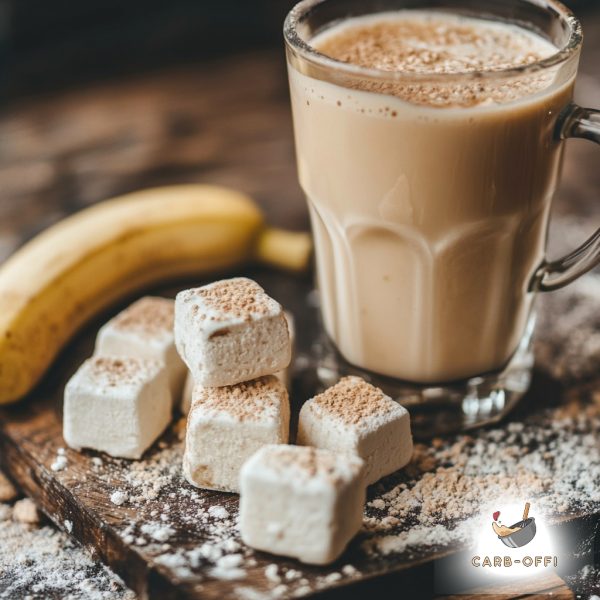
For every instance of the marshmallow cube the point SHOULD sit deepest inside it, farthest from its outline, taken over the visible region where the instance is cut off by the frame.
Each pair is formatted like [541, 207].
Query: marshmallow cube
[227, 425]
[302, 502]
[357, 418]
[145, 330]
[117, 405]
[283, 375]
[230, 331]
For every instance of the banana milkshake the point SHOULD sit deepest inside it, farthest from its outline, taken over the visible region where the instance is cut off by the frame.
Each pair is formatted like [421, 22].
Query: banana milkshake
[429, 200]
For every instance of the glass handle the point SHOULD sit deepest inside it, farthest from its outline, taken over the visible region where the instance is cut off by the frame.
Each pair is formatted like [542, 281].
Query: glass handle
[574, 122]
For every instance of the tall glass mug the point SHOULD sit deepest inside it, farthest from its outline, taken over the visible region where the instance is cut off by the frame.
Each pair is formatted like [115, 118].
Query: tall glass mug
[430, 220]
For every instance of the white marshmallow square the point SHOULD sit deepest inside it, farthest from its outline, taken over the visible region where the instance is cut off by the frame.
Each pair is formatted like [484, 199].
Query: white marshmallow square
[357, 418]
[302, 502]
[116, 405]
[145, 330]
[230, 331]
[227, 425]
[283, 375]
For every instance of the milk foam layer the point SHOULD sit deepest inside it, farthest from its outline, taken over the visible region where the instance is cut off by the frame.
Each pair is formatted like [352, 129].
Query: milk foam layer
[429, 222]
[419, 42]
[430, 42]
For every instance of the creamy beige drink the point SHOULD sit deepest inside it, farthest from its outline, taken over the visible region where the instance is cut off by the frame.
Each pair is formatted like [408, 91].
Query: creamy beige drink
[429, 201]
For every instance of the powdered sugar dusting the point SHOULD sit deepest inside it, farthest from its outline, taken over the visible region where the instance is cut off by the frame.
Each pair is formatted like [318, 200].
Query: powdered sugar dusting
[553, 458]
[42, 562]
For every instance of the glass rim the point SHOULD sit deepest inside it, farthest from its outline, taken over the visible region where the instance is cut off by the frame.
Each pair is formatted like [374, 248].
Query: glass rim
[298, 45]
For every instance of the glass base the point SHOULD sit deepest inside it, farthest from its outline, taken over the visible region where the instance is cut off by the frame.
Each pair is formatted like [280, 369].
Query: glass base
[442, 409]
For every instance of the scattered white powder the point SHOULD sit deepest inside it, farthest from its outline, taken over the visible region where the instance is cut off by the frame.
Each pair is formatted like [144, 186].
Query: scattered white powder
[157, 531]
[248, 593]
[219, 512]
[331, 578]
[230, 561]
[177, 563]
[553, 458]
[118, 497]
[211, 552]
[60, 463]
[292, 574]
[43, 562]
[230, 545]
[280, 591]
[227, 574]
[585, 583]
[272, 573]
[302, 591]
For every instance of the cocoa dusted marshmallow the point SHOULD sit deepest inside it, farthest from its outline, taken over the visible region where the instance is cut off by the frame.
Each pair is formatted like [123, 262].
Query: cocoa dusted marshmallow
[302, 502]
[230, 331]
[145, 330]
[283, 375]
[117, 405]
[357, 418]
[227, 425]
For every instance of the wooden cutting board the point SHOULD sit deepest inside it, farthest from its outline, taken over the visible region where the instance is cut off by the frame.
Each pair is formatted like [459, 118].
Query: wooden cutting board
[152, 539]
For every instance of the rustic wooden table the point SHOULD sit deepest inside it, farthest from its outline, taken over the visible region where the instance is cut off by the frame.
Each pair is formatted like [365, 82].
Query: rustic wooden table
[225, 122]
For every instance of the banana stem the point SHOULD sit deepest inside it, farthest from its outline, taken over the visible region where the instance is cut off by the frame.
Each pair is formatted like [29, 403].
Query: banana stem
[288, 250]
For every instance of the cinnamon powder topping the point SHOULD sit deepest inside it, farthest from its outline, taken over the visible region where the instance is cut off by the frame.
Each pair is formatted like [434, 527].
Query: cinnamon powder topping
[148, 316]
[426, 43]
[414, 42]
[111, 372]
[308, 462]
[247, 401]
[237, 298]
[352, 400]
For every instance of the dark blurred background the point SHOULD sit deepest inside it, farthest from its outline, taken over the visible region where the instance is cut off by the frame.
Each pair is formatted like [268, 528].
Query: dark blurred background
[50, 43]
[102, 97]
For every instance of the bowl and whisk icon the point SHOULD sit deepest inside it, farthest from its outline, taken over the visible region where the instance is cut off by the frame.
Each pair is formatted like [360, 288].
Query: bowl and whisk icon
[517, 535]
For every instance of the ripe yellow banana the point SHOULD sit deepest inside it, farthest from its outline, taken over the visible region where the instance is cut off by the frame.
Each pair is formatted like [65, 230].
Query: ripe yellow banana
[56, 282]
